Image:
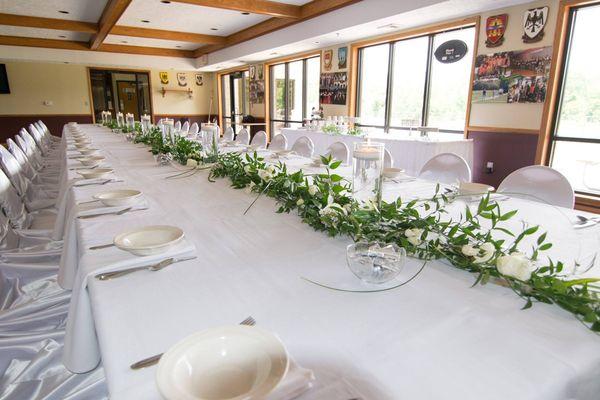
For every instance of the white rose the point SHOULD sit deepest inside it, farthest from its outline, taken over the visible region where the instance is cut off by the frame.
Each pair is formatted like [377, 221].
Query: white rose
[191, 163]
[414, 240]
[469, 250]
[414, 236]
[250, 187]
[300, 202]
[247, 168]
[333, 209]
[313, 189]
[348, 207]
[515, 265]
[264, 175]
[271, 169]
[488, 250]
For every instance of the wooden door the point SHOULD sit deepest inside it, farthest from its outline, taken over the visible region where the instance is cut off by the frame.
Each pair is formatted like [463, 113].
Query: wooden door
[128, 99]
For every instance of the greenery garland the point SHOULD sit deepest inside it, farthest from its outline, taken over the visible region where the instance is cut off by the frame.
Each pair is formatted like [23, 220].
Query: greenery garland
[324, 202]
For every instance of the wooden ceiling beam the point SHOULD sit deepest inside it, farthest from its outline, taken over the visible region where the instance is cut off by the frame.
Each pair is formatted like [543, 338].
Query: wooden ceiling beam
[111, 14]
[308, 11]
[48, 23]
[166, 35]
[263, 7]
[76, 45]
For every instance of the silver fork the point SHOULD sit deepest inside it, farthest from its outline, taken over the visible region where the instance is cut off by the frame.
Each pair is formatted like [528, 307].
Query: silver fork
[152, 267]
[97, 183]
[146, 362]
[123, 211]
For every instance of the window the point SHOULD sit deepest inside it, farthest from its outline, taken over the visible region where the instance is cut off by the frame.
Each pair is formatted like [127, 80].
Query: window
[236, 98]
[401, 84]
[295, 92]
[576, 135]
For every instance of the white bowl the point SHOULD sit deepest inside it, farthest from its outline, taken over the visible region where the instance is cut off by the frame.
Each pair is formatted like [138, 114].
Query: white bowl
[283, 152]
[95, 173]
[121, 197]
[471, 188]
[149, 240]
[226, 363]
[393, 172]
[89, 151]
[91, 161]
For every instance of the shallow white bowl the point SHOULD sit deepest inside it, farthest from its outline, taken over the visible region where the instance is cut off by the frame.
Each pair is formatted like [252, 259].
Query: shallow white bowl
[89, 151]
[283, 152]
[225, 363]
[393, 172]
[121, 197]
[149, 240]
[95, 173]
[91, 161]
[471, 188]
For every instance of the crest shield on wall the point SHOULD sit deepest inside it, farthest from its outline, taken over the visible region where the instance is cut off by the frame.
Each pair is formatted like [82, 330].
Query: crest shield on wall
[534, 22]
[495, 27]
[164, 77]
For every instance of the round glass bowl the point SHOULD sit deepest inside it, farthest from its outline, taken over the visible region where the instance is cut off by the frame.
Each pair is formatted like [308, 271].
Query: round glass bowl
[375, 262]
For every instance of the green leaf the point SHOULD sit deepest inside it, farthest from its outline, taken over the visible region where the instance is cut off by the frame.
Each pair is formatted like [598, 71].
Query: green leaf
[527, 305]
[542, 238]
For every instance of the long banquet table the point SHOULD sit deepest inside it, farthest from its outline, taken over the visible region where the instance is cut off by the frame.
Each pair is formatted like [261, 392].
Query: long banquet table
[433, 338]
[408, 153]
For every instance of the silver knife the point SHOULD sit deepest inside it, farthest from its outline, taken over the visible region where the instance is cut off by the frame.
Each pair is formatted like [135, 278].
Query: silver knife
[150, 267]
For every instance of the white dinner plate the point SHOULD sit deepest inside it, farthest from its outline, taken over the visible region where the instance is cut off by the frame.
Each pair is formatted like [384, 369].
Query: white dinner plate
[89, 151]
[91, 161]
[95, 173]
[149, 240]
[392, 173]
[472, 188]
[226, 363]
[121, 197]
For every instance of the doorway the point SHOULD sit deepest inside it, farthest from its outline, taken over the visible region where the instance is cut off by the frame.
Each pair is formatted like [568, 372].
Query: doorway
[120, 91]
[236, 99]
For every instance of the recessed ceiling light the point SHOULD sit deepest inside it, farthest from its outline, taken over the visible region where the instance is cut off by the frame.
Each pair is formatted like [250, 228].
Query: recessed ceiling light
[63, 12]
[123, 41]
[317, 42]
[62, 36]
[245, 13]
[274, 54]
[214, 29]
[178, 47]
[165, 1]
[145, 21]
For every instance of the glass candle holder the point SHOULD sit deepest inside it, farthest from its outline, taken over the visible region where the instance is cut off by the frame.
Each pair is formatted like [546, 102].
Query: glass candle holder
[130, 120]
[168, 130]
[145, 123]
[367, 170]
[120, 120]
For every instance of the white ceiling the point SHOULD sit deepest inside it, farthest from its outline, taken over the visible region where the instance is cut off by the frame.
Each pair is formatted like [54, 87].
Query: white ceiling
[186, 18]
[79, 10]
[359, 21]
[135, 41]
[42, 33]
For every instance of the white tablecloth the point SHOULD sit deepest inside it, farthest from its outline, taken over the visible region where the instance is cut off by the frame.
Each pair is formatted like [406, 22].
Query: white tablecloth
[410, 154]
[433, 338]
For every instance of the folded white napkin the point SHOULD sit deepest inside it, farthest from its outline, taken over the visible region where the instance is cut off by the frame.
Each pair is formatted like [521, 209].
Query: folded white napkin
[295, 382]
[85, 182]
[98, 208]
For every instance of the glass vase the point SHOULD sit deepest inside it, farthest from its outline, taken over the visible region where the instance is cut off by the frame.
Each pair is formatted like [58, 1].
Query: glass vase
[367, 170]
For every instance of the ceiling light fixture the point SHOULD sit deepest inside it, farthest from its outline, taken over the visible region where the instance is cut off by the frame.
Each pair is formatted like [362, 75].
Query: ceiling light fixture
[63, 12]
[145, 21]
[214, 29]
[123, 41]
[62, 36]
[165, 1]
[245, 13]
[178, 47]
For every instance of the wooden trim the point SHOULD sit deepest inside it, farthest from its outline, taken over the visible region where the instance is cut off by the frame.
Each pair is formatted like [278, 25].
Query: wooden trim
[293, 57]
[48, 23]
[264, 7]
[309, 10]
[587, 203]
[111, 14]
[166, 35]
[267, 76]
[493, 129]
[45, 43]
[352, 90]
[470, 95]
[91, 96]
[220, 100]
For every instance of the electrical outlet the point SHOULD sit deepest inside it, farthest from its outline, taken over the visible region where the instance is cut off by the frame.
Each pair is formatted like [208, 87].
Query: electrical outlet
[489, 167]
[48, 102]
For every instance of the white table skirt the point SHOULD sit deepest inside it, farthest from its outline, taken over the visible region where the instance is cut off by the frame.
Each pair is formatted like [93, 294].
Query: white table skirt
[410, 154]
[433, 338]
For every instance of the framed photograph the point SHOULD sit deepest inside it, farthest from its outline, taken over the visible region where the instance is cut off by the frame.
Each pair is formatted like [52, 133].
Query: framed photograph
[327, 59]
[260, 72]
[333, 88]
[342, 57]
[252, 71]
[4, 87]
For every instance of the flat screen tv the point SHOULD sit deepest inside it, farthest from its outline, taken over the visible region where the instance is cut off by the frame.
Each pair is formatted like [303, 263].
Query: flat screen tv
[4, 88]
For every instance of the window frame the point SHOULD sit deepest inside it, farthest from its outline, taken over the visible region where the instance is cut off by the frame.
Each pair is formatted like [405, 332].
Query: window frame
[390, 42]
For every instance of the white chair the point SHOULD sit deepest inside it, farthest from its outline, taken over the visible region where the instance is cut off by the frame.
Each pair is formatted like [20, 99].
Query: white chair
[388, 160]
[177, 126]
[446, 168]
[243, 137]
[304, 146]
[228, 134]
[185, 128]
[194, 129]
[279, 142]
[260, 140]
[539, 183]
[339, 151]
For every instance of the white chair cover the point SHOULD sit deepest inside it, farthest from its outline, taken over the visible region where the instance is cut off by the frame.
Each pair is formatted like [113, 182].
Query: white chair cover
[446, 168]
[243, 137]
[194, 129]
[279, 142]
[185, 128]
[11, 203]
[228, 134]
[388, 160]
[20, 156]
[30, 152]
[177, 126]
[339, 151]
[12, 169]
[539, 183]
[304, 146]
[260, 140]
